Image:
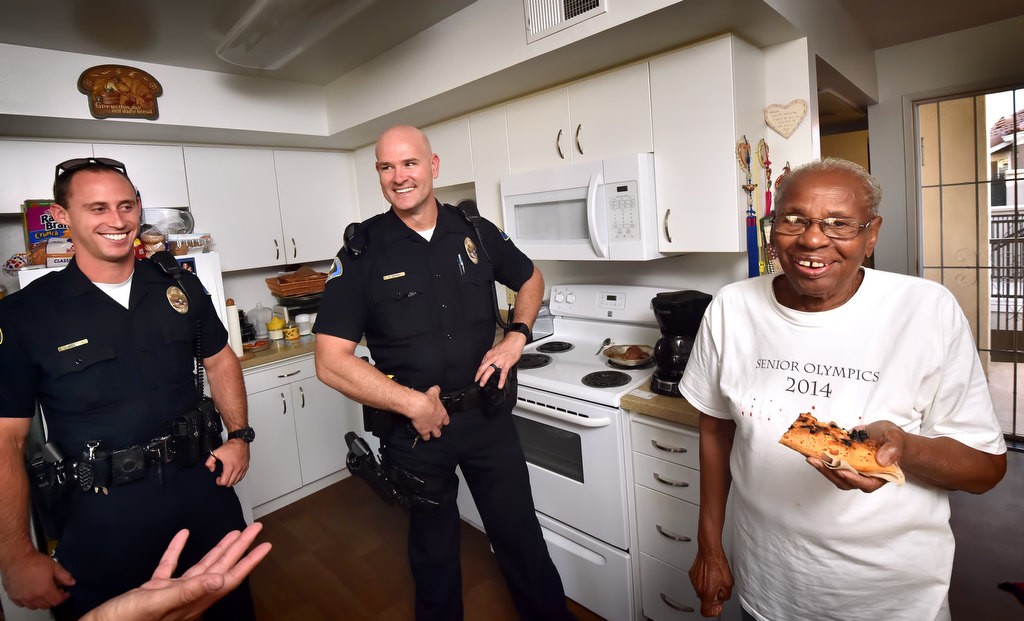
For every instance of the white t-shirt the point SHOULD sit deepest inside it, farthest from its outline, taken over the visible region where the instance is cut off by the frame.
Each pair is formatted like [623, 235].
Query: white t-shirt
[899, 350]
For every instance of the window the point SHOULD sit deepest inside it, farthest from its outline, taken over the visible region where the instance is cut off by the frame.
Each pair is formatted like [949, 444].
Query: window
[971, 202]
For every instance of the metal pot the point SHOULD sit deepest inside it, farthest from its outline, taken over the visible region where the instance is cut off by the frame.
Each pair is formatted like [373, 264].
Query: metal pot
[616, 353]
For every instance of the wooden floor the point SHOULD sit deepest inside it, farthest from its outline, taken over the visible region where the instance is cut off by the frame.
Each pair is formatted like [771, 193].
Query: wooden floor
[339, 554]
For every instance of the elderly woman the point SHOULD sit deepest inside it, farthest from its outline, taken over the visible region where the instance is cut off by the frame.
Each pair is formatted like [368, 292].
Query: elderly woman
[890, 353]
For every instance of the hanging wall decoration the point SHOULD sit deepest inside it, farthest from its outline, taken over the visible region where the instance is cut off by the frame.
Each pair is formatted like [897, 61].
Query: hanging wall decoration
[118, 91]
[784, 119]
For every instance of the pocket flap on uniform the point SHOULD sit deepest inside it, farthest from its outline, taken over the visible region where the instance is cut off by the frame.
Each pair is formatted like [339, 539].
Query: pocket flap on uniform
[81, 357]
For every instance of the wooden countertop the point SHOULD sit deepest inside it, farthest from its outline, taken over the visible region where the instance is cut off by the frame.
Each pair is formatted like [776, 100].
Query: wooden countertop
[279, 350]
[671, 409]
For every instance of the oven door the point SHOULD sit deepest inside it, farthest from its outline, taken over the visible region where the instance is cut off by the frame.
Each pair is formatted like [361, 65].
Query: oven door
[574, 452]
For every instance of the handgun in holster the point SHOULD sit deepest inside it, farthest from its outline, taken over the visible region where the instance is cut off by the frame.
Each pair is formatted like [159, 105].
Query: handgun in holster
[196, 433]
[394, 485]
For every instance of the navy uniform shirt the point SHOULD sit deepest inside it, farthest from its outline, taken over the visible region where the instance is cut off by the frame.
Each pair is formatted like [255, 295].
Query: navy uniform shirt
[99, 370]
[425, 308]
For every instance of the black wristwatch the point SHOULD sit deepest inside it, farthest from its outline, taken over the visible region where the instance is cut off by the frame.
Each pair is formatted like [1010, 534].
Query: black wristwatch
[245, 434]
[523, 329]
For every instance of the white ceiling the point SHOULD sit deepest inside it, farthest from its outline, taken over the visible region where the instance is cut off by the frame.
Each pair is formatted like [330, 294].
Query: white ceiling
[186, 32]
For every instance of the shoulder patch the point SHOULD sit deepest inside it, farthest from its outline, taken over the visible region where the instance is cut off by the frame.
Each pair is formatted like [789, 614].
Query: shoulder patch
[504, 235]
[336, 270]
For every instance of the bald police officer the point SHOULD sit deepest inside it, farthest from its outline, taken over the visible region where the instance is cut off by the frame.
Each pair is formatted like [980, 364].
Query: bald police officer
[417, 284]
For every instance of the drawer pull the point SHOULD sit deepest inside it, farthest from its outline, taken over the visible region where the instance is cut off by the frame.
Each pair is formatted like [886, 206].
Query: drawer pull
[668, 449]
[295, 372]
[660, 479]
[670, 535]
[680, 607]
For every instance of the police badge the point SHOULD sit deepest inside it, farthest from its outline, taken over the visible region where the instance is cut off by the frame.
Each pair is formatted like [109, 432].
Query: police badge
[471, 251]
[176, 298]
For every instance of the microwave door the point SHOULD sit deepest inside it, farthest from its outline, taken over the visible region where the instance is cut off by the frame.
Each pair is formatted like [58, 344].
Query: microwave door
[596, 224]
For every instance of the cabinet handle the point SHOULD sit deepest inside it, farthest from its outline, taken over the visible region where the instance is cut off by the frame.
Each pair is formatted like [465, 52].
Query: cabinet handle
[668, 449]
[295, 249]
[302, 398]
[672, 604]
[660, 479]
[558, 145]
[284, 405]
[670, 535]
[579, 147]
[295, 372]
[277, 250]
[668, 235]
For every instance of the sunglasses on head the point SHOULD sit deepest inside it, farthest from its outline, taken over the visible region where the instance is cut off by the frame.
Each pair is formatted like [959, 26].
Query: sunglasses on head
[81, 162]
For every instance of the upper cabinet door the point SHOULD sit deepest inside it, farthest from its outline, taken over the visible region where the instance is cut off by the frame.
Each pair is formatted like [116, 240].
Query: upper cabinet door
[158, 171]
[450, 141]
[233, 194]
[27, 168]
[490, 160]
[371, 199]
[704, 99]
[610, 114]
[538, 131]
[317, 191]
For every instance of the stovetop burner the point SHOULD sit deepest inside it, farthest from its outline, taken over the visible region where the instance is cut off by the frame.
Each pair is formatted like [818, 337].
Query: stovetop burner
[534, 361]
[554, 347]
[606, 379]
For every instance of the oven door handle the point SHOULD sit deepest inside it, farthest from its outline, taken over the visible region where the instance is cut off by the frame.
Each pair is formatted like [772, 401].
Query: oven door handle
[579, 421]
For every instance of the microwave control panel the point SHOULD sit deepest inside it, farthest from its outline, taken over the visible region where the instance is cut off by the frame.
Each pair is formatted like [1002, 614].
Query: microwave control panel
[623, 212]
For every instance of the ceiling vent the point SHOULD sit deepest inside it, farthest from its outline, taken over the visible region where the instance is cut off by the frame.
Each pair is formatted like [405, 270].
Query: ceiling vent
[544, 17]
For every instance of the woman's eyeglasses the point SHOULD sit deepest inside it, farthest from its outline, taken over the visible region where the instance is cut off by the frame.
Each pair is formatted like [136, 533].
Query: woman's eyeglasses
[81, 162]
[836, 228]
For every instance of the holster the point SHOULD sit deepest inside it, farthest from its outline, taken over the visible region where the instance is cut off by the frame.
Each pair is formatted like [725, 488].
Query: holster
[49, 478]
[496, 401]
[378, 422]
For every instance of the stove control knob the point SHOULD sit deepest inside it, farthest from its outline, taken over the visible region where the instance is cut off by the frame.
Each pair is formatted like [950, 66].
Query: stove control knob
[571, 298]
[559, 298]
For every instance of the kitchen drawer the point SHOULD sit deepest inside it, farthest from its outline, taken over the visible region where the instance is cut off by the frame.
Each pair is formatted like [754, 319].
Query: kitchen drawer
[666, 477]
[666, 593]
[665, 441]
[667, 527]
[263, 378]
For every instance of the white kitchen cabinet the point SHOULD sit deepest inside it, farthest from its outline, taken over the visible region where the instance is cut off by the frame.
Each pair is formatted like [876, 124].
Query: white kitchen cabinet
[666, 486]
[704, 99]
[451, 142]
[158, 171]
[233, 196]
[604, 116]
[489, 141]
[300, 428]
[317, 193]
[27, 169]
[371, 199]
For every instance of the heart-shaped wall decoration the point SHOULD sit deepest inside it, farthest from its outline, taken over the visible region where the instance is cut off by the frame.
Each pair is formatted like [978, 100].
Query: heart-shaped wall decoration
[785, 119]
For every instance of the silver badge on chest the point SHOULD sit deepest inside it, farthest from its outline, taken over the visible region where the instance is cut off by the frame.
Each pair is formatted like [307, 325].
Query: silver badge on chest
[176, 298]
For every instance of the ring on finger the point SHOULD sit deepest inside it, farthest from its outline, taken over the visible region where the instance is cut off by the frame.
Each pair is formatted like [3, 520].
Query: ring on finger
[496, 367]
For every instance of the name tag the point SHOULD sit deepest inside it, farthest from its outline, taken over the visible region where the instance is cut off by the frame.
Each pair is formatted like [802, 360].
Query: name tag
[72, 345]
[395, 275]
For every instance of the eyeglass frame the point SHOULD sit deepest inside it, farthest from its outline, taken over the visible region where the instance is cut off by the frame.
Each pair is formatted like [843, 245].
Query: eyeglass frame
[822, 224]
[78, 163]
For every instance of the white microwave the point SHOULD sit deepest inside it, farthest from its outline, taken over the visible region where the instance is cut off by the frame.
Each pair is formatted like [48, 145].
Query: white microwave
[590, 211]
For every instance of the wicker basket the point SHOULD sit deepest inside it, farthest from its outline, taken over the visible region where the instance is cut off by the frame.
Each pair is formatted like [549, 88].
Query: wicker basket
[299, 287]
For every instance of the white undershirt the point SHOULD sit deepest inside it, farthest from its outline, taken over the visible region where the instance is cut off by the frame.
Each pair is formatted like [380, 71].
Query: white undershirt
[427, 234]
[119, 291]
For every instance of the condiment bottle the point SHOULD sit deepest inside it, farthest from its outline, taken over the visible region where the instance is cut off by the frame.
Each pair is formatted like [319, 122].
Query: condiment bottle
[275, 327]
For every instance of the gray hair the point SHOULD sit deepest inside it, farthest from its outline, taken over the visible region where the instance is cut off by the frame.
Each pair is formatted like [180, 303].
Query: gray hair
[870, 189]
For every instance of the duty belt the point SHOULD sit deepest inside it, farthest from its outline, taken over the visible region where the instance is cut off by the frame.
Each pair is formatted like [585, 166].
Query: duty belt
[461, 400]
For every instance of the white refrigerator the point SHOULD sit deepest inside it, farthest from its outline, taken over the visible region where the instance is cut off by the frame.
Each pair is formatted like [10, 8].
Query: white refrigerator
[205, 265]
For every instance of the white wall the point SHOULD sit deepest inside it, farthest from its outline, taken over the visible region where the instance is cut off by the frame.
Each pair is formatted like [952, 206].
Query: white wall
[977, 58]
[35, 82]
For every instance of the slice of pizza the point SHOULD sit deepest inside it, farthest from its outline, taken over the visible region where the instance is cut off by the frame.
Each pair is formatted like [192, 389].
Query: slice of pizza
[838, 449]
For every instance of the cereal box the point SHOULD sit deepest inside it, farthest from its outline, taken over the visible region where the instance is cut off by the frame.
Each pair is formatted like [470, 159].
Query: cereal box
[39, 224]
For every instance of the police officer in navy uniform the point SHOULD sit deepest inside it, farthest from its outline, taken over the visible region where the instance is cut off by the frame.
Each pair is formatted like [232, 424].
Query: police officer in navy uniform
[106, 346]
[417, 283]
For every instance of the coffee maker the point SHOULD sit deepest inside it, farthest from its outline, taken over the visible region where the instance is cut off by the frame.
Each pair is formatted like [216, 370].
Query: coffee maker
[679, 314]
